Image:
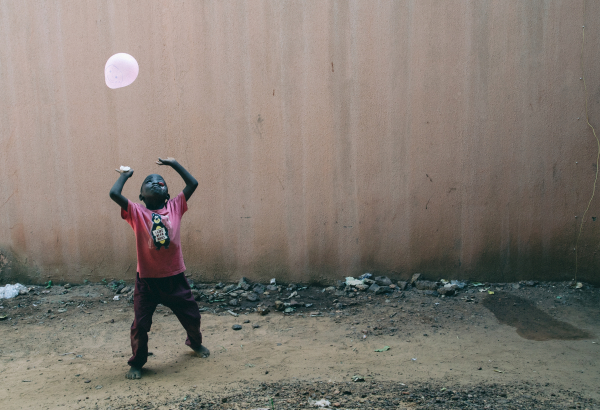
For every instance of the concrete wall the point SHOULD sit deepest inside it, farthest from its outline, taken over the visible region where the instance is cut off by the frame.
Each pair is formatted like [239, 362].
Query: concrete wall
[330, 138]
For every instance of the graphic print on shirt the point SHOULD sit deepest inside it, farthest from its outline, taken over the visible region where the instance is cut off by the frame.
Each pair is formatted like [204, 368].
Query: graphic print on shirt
[160, 233]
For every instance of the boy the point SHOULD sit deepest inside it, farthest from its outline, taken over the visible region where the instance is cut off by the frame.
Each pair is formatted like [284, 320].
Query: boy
[160, 269]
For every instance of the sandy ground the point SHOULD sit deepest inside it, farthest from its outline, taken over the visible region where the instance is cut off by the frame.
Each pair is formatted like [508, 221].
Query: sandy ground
[70, 350]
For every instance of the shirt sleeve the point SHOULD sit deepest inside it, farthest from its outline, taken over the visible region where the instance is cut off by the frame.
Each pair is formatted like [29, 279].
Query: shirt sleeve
[128, 214]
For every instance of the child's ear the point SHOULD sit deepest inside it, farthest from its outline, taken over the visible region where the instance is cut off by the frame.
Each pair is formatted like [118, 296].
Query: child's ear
[168, 197]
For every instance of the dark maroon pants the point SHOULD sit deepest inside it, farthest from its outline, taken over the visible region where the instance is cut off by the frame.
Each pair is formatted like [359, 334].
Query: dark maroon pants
[174, 292]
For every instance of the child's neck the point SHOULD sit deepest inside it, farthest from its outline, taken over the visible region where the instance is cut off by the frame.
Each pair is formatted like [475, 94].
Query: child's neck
[152, 206]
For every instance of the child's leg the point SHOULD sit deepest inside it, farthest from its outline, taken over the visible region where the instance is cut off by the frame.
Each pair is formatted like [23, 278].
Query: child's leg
[144, 304]
[181, 301]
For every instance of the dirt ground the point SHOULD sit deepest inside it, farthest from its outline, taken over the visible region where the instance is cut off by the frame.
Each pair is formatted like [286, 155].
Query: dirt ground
[69, 347]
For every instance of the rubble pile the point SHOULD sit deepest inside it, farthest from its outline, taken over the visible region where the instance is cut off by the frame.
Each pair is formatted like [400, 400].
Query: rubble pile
[246, 296]
[383, 285]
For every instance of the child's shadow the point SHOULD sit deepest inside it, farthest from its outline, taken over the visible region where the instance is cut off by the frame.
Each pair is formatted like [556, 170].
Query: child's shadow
[181, 365]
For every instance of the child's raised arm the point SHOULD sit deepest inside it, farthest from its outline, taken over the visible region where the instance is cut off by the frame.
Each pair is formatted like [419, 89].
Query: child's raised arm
[115, 191]
[190, 182]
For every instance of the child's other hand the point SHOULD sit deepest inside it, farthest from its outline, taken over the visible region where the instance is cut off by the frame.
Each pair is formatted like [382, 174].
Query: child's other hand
[166, 161]
[128, 174]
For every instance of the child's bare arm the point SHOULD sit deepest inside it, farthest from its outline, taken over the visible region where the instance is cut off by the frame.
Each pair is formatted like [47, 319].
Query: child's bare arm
[190, 182]
[115, 191]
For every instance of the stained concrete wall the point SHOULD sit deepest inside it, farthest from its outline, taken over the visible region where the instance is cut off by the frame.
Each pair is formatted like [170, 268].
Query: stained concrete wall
[330, 138]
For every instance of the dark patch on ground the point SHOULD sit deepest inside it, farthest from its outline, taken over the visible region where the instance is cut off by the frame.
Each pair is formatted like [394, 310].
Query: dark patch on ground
[531, 322]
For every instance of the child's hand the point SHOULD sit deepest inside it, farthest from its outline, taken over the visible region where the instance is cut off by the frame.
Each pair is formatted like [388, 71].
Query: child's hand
[166, 161]
[128, 174]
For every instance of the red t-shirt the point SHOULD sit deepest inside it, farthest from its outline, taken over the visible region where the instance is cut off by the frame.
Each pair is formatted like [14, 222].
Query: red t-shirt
[157, 238]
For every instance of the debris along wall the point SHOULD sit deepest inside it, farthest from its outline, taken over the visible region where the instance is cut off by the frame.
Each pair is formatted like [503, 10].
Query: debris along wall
[329, 138]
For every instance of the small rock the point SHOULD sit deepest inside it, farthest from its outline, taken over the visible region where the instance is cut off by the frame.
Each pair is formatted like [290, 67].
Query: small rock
[126, 289]
[234, 302]
[229, 288]
[362, 287]
[219, 285]
[431, 293]
[244, 283]
[374, 288]
[368, 282]
[272, 288]
[279, 305]
[531, 283]
[87, 381]
[67, 286]
[255, 326]
[252, 297]
[415, 278]
[516, 286]
[446, 291]
[383, 280]
[236, 327]
[259, 289]
[263, 310]
[402, 285]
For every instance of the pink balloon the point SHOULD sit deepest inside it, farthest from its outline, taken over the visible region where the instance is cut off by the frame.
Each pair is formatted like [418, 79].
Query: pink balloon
[120, 70]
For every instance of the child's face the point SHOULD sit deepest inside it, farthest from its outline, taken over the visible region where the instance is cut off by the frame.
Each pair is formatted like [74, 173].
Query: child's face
[154, 189]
